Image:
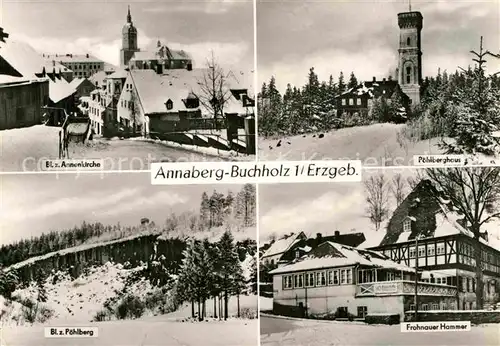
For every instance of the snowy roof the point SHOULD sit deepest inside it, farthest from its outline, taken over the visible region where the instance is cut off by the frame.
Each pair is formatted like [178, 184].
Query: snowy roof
[159, 53]
[79, 248]
[448, 221]
[329, 255]
[282, 245]
[118, 74]
[155, 89]
[66, 58]
[98, 77]
[59, 89]
[75, 83]
[23, 58]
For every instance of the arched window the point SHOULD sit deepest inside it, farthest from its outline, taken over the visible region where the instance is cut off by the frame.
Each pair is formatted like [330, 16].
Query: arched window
[408, 41]
[408, 74]
[169, 104]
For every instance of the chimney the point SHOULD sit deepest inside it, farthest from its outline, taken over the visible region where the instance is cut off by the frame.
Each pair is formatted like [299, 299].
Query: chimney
[53, 63]
[383, 80]
[337, 233]
[374, 79]
[189, 66]
[484, 235]
[87, 55]
[319, 238]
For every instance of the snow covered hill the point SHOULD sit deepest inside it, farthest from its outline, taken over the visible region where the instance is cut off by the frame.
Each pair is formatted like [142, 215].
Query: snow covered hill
[375, 145]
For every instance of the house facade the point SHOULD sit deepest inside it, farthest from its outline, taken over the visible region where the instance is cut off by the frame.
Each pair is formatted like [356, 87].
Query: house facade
[444, 249]
[342, 281]
[81, 65]
[360, 99]
[21, 101]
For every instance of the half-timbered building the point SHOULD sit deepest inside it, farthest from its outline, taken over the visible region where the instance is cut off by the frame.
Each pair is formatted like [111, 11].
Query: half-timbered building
[426, 231]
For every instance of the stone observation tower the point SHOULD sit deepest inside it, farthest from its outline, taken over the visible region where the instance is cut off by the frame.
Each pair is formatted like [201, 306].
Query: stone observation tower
[410, 54]
[129, 41]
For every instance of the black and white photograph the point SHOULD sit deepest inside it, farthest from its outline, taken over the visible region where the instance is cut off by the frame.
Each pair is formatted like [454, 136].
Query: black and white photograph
[378, 81]
[127, 83]
[138, 264]
[351, 263]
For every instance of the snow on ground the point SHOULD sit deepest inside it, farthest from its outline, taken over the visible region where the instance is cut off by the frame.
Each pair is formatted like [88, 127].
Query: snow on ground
[284, 332]
[265, 304]
[223, 154]
[25, 149]
[143, 332]
[247, 302]
[375, 145]
[214, 234]
[79, 300]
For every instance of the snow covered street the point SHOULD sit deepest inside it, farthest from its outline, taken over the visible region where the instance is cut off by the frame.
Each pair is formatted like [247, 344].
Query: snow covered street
[283, 332]
[23, 150]
[144, 333]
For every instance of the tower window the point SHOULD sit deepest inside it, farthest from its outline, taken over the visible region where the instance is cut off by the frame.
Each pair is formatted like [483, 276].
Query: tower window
[408, 41]
[408, 74]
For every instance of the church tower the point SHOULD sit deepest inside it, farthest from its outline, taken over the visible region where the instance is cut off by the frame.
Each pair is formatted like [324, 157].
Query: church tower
[410, 54]
[129, 41]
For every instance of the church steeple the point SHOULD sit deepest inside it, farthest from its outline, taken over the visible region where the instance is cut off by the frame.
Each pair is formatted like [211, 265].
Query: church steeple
[129, 40]
[129, 17]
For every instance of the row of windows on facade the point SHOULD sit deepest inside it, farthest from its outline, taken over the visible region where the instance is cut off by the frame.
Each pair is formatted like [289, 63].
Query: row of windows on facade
[84, 66]
[127, 104]
[318, 279]
[432, 249]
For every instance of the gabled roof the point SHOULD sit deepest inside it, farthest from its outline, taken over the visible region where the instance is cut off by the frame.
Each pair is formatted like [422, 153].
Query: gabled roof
[60, 89]
[282, 245]
[75, 83]
[373, 89]
[98, 77]
[447, 220]
[23, 58]
[118, 74]
[330, 255]
[160, 53]
[155, 89]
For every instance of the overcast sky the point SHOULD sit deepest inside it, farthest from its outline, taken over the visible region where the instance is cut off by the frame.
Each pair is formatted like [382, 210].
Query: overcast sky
[362, 36]
[94, 26]
[317, 207]
[33, 204]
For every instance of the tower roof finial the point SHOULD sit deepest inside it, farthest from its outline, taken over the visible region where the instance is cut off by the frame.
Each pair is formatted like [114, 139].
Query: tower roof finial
[129, 17]
[409, 4]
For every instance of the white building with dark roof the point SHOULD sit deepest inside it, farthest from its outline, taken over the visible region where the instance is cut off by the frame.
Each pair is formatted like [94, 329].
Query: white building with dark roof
[335, 280]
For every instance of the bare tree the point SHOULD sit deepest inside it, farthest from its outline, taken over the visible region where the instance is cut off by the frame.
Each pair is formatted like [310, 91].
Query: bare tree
[398, 188]
[415, 179]
[214, 91]
[475, 194]
[377, 190]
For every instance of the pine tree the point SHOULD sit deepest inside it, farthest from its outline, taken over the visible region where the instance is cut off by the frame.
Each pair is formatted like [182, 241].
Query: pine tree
[341, 84]
[228, 267]
[353, 81]
[477, 111]
[204, 211]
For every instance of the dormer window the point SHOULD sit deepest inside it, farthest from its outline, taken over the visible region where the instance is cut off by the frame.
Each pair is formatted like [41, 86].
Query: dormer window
[169, 104]
[297, 253]
[407, 225]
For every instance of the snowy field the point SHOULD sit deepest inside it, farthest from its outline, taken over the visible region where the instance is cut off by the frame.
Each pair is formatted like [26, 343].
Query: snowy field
[375, 145]
[291, 332]
[24, 149]
[235, 332]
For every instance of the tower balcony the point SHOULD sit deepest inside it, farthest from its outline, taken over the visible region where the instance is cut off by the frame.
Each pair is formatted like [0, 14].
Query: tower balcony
[410, 20]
